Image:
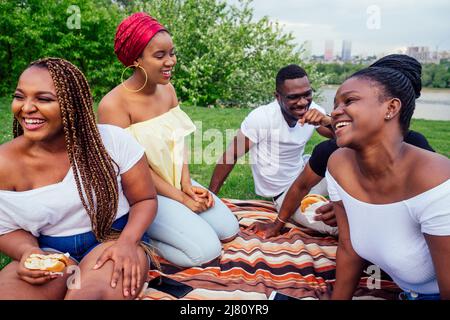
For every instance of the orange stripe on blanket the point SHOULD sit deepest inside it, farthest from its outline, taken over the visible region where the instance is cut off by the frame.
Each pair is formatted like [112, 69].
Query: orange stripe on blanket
[297, 262]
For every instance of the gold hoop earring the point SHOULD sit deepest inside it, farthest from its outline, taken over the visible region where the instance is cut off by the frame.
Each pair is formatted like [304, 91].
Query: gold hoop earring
[123, 83]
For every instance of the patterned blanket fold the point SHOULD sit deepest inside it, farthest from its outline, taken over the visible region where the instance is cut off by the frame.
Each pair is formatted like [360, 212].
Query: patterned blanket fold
[300, 262]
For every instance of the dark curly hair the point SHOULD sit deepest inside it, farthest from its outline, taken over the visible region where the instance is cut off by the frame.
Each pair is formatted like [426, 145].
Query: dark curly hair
[288, 72]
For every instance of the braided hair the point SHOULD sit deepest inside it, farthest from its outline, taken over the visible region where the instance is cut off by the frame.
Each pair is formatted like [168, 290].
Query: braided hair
[93, 168]
[399, 77]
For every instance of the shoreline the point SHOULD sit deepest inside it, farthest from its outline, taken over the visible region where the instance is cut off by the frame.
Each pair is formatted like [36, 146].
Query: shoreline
[440, 90]
[433, 104]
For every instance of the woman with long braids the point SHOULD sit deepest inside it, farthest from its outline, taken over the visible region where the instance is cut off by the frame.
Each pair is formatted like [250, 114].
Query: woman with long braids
[391, 199]
[191, 221]
[68, 185]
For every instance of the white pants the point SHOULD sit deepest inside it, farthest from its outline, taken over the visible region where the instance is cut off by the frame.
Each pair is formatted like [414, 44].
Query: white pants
[188, 239]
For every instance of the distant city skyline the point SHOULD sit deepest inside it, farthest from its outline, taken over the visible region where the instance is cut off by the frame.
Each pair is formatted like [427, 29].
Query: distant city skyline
[329, 50]
[346, 50]
[374, 27]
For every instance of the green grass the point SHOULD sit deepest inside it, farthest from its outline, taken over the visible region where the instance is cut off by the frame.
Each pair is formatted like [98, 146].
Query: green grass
[437, 133]
[239, 184]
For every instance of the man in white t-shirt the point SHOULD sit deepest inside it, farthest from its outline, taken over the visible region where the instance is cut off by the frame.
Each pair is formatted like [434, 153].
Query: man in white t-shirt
[276, 135]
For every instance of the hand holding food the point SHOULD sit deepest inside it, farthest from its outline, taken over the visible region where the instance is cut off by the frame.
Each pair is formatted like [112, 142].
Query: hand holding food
[309, 205]
[56, 262]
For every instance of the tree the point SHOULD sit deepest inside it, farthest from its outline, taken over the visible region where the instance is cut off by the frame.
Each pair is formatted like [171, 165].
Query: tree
[32, 29]
[225, 57]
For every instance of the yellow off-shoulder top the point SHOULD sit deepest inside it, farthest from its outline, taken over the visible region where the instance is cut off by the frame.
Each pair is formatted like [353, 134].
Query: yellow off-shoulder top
[163, 140]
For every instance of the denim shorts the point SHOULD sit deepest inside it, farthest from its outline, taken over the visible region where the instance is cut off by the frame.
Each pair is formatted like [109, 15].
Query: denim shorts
[79, 245]
[406, 295]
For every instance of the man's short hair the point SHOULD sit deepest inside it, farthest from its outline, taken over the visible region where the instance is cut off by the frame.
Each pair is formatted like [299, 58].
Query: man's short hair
[291, 71]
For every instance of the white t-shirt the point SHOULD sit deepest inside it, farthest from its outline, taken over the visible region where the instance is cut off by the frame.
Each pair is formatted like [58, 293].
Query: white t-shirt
[276, 157]
[56, 209]
[391, 235]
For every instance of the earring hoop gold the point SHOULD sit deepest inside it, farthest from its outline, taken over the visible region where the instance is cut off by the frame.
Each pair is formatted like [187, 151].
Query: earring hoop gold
[123, 83]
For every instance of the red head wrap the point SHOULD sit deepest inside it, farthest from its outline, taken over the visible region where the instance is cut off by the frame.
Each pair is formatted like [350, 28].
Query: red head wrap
[133, 34]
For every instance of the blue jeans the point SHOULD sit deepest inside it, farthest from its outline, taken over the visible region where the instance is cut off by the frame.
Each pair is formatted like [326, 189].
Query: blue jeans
[405, 295]
[79, 245]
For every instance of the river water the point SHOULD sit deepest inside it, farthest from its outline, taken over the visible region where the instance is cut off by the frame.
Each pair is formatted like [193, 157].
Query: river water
[433, 104]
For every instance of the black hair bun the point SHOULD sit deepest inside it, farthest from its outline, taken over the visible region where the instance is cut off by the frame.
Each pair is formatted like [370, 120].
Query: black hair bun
[408, 66]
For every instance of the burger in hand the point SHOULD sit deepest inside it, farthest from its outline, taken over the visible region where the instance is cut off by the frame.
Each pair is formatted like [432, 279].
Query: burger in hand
[309, 205]
[56, 262]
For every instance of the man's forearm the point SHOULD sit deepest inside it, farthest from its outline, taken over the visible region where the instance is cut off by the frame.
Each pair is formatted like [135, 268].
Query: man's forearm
[240, 146]
[298, 190]
[220, 174]
[292, 201]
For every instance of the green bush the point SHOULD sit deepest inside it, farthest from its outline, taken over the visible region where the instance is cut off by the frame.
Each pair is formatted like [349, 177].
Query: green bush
[436, 75]
[32, 29]
[224, 56]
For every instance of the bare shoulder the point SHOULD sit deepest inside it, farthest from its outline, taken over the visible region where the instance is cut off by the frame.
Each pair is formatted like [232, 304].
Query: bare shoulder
[339, 161]
[112, 109]
[112, 101]
[428, 169]
[9, 162]
[8, 150]
[170, 91]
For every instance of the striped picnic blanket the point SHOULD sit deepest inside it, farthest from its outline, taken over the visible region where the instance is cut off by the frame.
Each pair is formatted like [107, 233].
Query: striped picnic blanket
[300, 262]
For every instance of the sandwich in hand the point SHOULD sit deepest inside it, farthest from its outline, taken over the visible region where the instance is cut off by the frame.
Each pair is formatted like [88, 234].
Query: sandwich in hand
[56, 262]
[309, 205]
[310, 199]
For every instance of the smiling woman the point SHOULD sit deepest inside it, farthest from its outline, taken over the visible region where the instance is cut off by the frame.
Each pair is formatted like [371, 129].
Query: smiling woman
[52, 180]
[390, 198]
[191, 221]
[26, 103]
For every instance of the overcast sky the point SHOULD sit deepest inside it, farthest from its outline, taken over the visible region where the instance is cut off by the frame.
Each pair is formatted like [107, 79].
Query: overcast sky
[373, 26]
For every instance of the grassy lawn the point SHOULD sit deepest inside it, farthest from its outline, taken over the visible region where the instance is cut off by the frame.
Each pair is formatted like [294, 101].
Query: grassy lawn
[239, 184]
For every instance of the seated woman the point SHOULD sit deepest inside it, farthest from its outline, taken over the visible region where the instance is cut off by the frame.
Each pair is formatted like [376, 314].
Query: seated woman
[391, 199]
[68, 185]
[191, 221]
[313, 174]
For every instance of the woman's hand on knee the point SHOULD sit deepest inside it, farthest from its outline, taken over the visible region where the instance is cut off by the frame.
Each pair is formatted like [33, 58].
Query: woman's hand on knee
[205, 195]
[188, 190]
[196, 206]
[126, 265]
[34, 277]
[199, 194]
